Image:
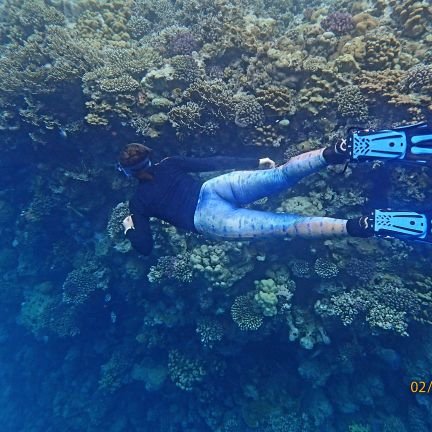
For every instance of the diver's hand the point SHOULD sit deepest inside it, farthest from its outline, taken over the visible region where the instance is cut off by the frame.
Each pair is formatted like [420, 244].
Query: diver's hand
[128, 224]
[266, 163]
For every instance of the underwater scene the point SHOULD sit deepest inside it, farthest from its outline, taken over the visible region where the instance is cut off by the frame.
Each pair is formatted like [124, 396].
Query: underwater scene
[282, 333]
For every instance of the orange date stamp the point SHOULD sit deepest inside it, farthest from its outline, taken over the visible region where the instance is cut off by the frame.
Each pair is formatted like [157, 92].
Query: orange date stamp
[424, 387]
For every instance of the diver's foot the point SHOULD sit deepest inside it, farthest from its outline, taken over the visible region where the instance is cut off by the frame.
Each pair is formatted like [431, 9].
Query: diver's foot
[405, 225]
[337, 153]
[361, 226]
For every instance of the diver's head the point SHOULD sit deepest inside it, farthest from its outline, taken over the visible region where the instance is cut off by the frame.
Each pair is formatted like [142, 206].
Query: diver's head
[134, 161]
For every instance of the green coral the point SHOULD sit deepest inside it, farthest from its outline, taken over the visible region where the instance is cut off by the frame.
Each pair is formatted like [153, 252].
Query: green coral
[266, 297]
[275, 291]
[221, 264]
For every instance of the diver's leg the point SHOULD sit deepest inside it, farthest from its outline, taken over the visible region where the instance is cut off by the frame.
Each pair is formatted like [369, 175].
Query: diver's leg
[227, 222]
[244, 187]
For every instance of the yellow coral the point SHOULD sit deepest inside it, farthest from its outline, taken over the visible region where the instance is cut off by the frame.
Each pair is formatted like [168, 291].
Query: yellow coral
[414, 16]
[364, 22]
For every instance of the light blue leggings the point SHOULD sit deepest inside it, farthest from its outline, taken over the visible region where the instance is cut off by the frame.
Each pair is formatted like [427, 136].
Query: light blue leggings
[219, 213]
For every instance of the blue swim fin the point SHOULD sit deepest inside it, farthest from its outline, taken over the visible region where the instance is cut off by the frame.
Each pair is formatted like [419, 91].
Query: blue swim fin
[406, 225]
[411, 144]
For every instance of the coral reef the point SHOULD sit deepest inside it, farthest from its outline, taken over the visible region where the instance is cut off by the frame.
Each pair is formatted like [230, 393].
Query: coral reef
[270, 335]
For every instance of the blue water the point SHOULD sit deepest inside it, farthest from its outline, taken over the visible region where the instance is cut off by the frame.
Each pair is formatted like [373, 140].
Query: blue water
[94, 337]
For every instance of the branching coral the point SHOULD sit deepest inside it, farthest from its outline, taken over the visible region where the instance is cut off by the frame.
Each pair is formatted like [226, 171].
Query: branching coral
[45, 314]
[325, 269]
[26, 17]
[209, 331]
[338, 22]
[351, 103]
[214, 97]
[185, 372]
[115, 227]
[182, 42]
[176, 268]
[387, 306]
[277, 100]
[186, 118]
[150, 15]
[81, 283]
[185, 68]
[417, 79]
[248, 112]
[114, 373]
[245, 314]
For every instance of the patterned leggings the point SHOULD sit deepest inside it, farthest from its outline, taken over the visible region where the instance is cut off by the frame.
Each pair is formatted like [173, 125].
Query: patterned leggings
[219, 213]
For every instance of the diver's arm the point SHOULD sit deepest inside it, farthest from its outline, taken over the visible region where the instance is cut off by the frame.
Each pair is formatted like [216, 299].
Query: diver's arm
[137, 231]
[213, 163]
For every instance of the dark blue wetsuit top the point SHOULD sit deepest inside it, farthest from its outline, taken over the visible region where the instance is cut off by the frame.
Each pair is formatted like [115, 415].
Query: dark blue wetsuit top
[173, 195]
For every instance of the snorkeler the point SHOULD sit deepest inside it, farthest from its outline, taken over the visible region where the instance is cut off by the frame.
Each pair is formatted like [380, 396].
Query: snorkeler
[215, 209]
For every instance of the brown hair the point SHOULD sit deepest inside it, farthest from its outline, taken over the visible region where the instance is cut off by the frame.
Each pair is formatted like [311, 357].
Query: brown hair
[133, 154]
